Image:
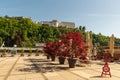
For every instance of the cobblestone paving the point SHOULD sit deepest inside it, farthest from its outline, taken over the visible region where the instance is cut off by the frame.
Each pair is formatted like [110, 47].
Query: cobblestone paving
[39, 68]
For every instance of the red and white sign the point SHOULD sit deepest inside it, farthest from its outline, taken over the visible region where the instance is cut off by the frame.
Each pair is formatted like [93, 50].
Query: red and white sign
[106, 70]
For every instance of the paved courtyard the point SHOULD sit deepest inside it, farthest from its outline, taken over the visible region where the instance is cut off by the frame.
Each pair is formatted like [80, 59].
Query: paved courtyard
[39, 68]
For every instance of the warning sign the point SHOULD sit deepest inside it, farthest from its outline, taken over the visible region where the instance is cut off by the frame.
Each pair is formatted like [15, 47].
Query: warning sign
[106, 70]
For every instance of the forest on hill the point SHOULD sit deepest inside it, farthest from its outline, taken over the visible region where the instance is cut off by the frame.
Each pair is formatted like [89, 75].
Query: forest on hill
[25, 33]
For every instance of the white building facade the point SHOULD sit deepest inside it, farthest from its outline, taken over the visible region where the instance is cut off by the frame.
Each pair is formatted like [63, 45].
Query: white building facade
[55, 23]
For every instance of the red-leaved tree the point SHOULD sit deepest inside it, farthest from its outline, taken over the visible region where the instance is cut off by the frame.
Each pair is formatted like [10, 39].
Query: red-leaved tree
[73, 45]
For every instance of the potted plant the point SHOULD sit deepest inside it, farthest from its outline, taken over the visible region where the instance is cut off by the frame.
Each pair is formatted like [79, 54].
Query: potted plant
[4, 53]
[22, 52]
[30, 52]
[49, 50]
[37, 52]
[13, 52]
[74, 47]
[61, 53]
[46, 51]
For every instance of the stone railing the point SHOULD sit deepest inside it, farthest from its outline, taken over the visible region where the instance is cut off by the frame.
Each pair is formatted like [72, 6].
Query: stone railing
[20, 48]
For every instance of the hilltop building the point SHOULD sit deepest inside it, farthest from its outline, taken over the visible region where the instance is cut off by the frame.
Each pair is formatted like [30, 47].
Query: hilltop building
[55, 23]
[67, 24]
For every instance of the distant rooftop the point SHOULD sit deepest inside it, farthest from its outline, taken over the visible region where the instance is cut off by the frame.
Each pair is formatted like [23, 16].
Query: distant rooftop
[55, 23]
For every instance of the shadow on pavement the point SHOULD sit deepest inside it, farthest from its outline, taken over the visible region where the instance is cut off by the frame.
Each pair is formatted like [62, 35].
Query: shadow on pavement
[42, 65]
[100, 76]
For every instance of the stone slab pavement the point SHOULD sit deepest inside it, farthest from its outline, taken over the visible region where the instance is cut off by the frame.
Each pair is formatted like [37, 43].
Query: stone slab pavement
[39, 68]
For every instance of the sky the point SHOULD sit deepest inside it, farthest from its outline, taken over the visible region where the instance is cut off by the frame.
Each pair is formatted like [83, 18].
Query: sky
[98, 16]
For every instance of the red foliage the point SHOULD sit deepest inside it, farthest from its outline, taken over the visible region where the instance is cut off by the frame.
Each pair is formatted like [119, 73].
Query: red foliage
[51, 48]
[74, 45]
[47, 48]
[70, 45]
